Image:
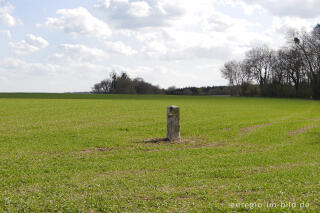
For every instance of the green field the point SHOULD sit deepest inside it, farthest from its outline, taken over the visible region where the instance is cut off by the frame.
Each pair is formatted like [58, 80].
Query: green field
[88, 153]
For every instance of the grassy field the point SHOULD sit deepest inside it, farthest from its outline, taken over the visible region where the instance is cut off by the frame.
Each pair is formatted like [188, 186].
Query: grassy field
[88, 153]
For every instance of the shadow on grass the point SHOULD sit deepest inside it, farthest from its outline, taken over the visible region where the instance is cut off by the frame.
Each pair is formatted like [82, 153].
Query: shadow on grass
[156, 140]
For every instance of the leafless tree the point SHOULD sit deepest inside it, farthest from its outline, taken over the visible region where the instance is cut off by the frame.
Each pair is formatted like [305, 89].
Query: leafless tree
[291, 71]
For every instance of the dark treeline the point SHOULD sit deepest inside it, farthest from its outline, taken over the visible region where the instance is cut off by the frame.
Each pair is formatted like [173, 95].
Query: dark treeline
[219, 90]
[292, 71]
[123, 84]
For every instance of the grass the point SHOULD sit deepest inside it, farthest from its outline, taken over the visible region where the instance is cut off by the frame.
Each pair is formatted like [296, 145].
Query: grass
[86, 153]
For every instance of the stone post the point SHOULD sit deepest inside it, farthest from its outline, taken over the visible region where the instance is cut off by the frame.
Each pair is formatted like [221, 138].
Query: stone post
[173, 123]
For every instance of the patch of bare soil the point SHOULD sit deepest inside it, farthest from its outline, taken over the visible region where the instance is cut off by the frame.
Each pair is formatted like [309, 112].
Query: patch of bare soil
[298, 131]
[189, 141]
[185, 143]
[217, 144]
[158, 141]
[226, 129]
[128, 172]
[252, 128]
[92, 150]
[92, 211]
[314, 119]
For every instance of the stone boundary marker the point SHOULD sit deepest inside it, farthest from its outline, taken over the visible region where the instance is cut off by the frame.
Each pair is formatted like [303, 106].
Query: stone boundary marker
[173, 123]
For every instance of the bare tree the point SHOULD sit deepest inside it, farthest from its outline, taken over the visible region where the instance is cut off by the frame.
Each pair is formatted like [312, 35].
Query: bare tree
[309, 45]
[97, 88]
[260, 61]
[291, 71]
[238, 74]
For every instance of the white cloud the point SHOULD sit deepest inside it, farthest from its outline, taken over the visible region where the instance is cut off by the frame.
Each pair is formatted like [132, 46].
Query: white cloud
[139, 9]
[139, 14]
[18, 66]
[217, 22]
[102, 4]
[168, 51]
[79, 21]
[49, 77]
[120, 47]
[155, 49]
[5, 15]
[121, 1]
[36, 41]
[281, 25]
[201, 32]
[212, 35]
[80, 53]
[30, 44]
[294, 8]
[6, 33]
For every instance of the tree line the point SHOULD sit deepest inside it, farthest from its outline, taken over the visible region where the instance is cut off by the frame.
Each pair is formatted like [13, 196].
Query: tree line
[291, 71]
[123, 84]
[209, 90]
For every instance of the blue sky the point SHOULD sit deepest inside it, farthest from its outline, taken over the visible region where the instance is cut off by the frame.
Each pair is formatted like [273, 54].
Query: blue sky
[60, 46]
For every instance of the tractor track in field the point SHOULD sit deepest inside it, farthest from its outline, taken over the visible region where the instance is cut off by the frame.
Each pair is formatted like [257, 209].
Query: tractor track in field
[249, 129]
[301, 130]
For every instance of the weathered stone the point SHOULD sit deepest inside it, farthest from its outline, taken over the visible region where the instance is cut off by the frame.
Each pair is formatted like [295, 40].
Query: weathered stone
[173, 123]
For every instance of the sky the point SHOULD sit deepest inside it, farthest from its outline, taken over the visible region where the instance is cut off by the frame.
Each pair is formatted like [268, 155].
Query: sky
[68, 46]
